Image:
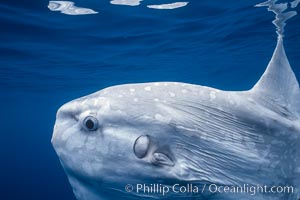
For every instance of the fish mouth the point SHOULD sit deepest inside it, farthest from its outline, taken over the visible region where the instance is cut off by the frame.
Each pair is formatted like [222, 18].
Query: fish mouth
[144, 147]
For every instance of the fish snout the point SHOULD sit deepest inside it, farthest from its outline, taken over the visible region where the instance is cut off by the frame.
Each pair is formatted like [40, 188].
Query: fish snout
[66, 116]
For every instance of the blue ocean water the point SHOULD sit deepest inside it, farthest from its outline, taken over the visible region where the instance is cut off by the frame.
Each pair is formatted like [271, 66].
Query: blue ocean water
[48, 58]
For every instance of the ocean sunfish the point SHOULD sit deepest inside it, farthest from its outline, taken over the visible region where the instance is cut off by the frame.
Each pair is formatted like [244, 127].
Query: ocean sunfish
[150, 140]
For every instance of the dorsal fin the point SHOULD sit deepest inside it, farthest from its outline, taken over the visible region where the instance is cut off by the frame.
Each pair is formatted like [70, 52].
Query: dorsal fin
[278, 86]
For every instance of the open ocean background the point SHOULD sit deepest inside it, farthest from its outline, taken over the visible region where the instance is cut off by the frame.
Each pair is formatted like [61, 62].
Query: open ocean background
[48, 58]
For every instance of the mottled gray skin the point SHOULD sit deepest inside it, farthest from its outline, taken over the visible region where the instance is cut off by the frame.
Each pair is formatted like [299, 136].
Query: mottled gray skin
[201, 134]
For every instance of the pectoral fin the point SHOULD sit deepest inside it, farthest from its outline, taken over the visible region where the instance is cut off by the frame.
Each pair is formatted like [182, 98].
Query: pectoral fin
[162, 159]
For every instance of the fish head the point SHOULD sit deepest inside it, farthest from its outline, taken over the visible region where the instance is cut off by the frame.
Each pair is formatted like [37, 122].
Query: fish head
[103, 138]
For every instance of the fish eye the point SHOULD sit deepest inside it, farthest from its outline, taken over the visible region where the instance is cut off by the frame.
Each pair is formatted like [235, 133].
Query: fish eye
[90, 123]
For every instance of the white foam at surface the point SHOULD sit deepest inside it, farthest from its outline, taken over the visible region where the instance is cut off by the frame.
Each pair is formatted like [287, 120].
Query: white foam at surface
[279, 10]
[148, 88]
[169, 6]
[126, 2]
[295, 3]
[68, 8]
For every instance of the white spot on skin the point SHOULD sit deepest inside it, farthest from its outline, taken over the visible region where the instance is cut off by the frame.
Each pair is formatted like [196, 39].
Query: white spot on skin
[165, 84]
[120, 96]
[172, 94]
[212, 95]
[156, 100]
[250, 99]
[157, 116]
[161, 118]
[184, 91]
[135, 99]
[156, 84]
[132, 90]
[148, 88]
[95, 102]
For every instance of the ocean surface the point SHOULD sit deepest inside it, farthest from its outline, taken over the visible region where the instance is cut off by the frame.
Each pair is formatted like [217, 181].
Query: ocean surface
[48, 58]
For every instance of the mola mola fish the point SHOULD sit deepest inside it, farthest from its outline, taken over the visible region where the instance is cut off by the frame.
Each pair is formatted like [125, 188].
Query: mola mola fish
[170, 140]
